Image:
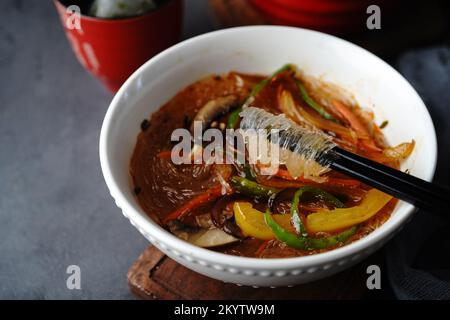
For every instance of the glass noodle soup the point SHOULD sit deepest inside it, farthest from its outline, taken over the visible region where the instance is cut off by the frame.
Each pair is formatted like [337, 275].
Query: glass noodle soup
[235, 207]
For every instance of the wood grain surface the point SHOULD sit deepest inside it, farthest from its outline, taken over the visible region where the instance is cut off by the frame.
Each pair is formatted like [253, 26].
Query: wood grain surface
[155, 276]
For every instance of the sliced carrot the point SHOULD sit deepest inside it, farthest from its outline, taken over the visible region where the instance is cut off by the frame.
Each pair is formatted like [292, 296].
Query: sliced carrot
[283, 173]
[352, 192]
[368, 145]
[366, 141]
[339, 182]
[355, 123]
[327, 125]
[279, 182]
[167, 154]
[195, 202]
[261, 248]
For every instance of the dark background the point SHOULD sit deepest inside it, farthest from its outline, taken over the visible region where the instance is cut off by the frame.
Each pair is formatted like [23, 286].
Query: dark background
[55, 209]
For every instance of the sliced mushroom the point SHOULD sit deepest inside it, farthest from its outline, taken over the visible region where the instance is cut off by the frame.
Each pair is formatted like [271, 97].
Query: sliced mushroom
[204, 221]
[214, 109]
[219, 212]
[201, 237]
[223, 218]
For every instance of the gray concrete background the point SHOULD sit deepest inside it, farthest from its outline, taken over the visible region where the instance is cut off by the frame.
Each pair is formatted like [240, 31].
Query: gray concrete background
[55, 209]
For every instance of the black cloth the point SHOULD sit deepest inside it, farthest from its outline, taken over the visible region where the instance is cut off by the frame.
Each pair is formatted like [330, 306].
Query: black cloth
[418, 259]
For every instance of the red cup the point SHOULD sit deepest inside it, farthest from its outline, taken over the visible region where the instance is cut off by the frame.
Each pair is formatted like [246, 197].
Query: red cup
[112, 49]
[325, 6]
[333, 16]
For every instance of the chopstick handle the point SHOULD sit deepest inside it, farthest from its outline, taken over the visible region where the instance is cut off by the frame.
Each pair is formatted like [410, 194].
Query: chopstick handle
[422, 194]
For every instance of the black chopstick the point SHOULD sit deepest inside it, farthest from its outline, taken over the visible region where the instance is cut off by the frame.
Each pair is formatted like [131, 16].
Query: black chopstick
[422, 194]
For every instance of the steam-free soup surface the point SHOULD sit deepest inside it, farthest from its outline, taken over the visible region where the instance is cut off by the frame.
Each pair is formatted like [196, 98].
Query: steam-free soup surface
[191, 200]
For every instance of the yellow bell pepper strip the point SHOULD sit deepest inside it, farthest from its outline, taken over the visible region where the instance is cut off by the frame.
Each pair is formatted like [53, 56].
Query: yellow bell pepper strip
[330, 220]
[313, 104]
[252, 188]
[234, 116]
[252, 223]
[306, 243]
[296, 220]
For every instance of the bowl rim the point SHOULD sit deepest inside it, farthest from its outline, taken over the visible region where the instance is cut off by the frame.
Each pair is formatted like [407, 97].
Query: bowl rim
[143, 222]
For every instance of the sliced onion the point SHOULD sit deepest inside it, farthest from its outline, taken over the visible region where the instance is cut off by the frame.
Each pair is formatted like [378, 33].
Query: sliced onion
[200, 236]
[400, 151]
[392, 154]
[296, 164]
[212, 238]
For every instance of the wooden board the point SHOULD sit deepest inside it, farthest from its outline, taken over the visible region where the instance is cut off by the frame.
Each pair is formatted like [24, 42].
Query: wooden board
[155, 276]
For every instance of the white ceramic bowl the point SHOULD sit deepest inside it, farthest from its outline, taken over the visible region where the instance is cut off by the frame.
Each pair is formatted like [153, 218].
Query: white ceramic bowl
[262, 49]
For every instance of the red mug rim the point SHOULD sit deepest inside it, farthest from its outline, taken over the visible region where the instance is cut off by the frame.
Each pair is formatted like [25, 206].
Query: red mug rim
[119, 20]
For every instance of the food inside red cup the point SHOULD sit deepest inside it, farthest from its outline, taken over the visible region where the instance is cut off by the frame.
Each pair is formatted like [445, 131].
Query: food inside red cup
[121, 8]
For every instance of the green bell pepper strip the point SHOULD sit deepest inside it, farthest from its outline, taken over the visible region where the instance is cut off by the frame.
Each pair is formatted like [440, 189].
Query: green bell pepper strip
[296, 220]
[306, 243]
[234, 116]
[249, 173]
[252, 188]
[257, 88]
[313, 104]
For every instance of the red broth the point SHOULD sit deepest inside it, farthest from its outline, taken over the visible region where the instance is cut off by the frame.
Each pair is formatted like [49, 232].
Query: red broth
[162, 187]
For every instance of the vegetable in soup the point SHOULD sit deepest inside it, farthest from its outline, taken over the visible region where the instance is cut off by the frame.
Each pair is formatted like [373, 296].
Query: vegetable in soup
[299, 209]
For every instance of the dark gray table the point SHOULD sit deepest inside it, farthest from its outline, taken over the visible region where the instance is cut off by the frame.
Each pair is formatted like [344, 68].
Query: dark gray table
[55, 209]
